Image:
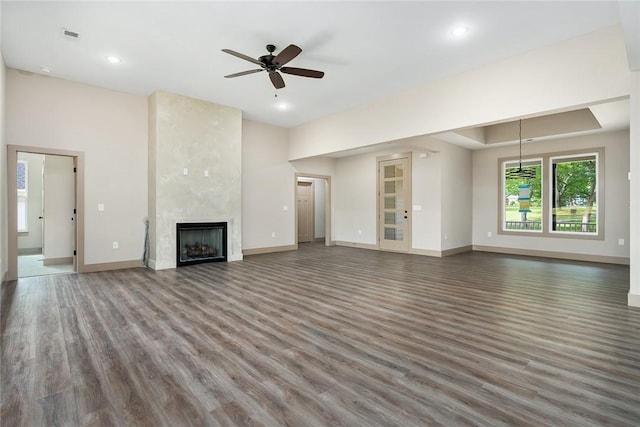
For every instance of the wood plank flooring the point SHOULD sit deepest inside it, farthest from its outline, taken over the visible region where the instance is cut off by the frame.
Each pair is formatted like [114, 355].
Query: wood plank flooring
[325, 336]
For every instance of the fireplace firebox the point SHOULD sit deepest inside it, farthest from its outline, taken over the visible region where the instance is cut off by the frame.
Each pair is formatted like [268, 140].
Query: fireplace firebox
[199, 242]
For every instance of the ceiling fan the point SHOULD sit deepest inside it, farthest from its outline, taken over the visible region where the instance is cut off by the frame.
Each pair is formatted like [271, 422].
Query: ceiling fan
[273, 63]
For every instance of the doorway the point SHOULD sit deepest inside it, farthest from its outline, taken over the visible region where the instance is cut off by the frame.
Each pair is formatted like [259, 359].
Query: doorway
[45, 218]
[305, 206]
[394, 203]
[313, 208]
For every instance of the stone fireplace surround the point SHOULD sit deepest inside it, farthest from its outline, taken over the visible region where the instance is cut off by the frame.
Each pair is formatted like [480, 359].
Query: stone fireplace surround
[194, 172]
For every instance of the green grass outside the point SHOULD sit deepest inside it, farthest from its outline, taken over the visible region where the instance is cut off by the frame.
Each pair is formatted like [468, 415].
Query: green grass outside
[566, 214]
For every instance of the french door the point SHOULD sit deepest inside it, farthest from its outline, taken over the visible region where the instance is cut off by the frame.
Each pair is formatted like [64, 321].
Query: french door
[394, 204]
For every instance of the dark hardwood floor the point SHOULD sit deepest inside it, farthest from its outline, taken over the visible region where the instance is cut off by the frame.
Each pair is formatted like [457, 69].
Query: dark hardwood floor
[325, 337]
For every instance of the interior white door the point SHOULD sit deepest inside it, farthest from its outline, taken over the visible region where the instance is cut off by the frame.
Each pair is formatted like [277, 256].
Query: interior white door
[394, 204]
[59, 210]
[305, 209]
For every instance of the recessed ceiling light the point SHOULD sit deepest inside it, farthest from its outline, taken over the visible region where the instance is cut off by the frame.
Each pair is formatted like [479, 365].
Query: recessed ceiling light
[459, 31]
[113, 59]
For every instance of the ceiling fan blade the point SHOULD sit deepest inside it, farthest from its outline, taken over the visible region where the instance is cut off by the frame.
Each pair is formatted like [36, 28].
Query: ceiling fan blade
[242, 56]
[303, 72]
[287, 54]
[277, 80]
[243, 73]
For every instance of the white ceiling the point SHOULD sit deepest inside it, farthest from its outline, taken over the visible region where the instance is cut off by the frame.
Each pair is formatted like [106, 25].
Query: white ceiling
[368, 50]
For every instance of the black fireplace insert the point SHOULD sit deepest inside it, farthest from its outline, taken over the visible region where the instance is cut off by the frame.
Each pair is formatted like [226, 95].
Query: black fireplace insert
[199, 242]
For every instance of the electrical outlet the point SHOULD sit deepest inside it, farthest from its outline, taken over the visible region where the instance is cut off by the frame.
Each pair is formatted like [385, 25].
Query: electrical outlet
[100, 207]
[206, 173]
[621, 242]
[273, 234]
[489, 234]
[185, 171]
[115, 245]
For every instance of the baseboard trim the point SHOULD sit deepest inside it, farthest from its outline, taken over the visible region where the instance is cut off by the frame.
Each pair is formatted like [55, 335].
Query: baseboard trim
[356, 245]
[57, 261]
[425, 252]
[30, 251]
[456, 251]
[553, 254]
[634, 300]
[269, 250]
[106, 266]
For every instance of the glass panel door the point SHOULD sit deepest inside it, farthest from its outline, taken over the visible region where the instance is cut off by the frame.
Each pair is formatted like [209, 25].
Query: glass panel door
[394, 204]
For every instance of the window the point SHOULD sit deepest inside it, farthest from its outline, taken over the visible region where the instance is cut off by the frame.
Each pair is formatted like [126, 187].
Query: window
[553, 195]
[522, 201]
[575, 194]
[22, 168]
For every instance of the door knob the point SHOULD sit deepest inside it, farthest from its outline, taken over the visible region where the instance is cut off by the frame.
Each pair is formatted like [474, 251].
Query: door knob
[40, 217]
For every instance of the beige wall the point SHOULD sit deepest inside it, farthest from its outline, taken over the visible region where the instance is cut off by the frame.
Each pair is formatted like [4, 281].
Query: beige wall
[110, 128]
[634, 205]
[206, 140]
[577, 72]
[457, 197]
[3, 173]
[439, 182]
[616, 195]
[354, 191]
[267, 187]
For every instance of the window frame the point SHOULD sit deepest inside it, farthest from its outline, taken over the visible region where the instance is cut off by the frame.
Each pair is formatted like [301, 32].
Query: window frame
[503, 170]
[572, 157]
[547, 194]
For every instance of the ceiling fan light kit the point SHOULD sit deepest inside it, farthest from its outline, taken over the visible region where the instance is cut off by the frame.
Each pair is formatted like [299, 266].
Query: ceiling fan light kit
[274, 65]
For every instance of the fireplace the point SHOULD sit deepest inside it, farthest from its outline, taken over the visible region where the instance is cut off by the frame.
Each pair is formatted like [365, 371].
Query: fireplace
[199, 242]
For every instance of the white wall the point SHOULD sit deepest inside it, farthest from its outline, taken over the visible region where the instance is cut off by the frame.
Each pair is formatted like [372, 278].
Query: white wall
[32, 239]
[267, 187]
[111, 129]
[616, 194]
[577, 72]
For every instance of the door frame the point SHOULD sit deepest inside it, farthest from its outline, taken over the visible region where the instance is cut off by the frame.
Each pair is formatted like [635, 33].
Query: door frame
[408, 186]
[327, 206]
[12, 203]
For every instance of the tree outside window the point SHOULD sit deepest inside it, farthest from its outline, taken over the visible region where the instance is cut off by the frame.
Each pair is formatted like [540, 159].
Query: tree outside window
[575, 184]
[564, 190]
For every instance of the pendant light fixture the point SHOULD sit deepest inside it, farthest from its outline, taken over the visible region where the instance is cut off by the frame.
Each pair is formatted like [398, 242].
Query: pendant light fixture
[520, 172]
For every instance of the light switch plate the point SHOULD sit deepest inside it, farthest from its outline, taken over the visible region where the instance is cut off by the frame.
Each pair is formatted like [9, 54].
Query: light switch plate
[100, 207]
[185, 171]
